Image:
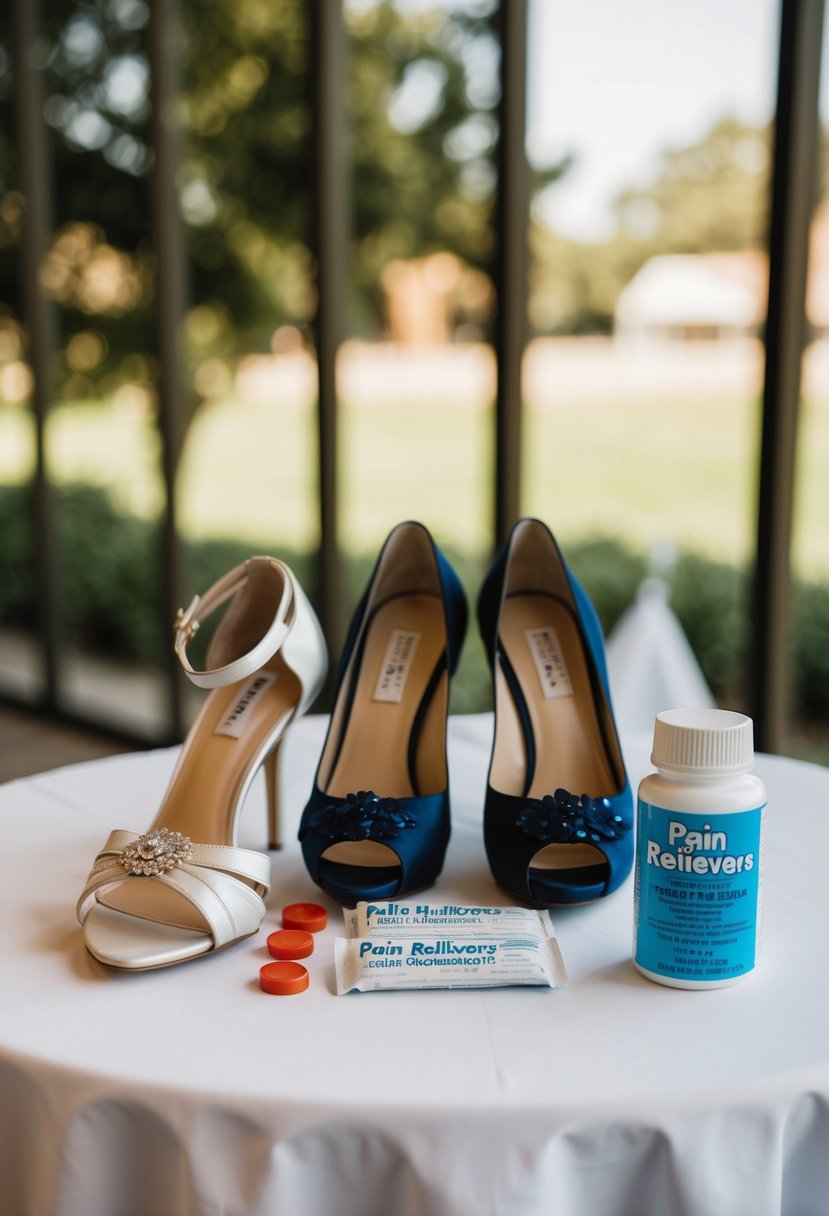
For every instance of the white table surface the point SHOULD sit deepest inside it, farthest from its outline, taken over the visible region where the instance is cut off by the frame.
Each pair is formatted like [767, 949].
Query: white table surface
[188, 1090]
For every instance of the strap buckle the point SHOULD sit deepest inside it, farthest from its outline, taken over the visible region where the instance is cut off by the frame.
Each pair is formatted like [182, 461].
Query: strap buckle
[185, 625]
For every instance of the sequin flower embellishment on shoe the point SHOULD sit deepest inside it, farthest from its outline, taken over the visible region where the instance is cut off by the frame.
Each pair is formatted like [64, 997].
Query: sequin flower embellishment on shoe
[565, 818]
[363, 816]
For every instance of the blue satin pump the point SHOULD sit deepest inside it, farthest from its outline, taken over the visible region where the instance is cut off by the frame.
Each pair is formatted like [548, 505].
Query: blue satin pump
[377, 823]
[558, 813]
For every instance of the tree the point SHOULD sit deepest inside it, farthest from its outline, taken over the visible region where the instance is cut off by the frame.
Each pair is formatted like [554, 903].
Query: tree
[710, 196]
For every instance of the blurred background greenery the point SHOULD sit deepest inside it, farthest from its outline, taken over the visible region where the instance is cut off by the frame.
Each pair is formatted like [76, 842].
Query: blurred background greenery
[642, 398]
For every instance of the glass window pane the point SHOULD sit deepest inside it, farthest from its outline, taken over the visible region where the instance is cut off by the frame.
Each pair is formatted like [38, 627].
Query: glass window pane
[649, 279]
[247, 478]
[101, 440]
[417, 374]
[809, 722]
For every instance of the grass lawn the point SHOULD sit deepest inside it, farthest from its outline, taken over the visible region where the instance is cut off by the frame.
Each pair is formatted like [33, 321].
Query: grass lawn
[652, 472]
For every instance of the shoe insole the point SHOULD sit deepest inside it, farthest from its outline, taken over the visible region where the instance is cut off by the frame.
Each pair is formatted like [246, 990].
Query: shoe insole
[543, 645]
[224, 744]
[404, 645]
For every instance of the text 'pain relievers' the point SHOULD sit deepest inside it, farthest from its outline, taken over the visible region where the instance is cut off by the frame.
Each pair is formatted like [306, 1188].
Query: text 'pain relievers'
[699, 852]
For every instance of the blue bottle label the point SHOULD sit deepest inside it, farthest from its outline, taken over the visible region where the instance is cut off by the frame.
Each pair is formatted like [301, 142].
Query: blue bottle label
[696, 893]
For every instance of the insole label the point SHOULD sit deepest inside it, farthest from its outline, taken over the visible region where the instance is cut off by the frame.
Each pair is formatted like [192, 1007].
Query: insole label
[397, 663]
[234, 723]
[550, 663]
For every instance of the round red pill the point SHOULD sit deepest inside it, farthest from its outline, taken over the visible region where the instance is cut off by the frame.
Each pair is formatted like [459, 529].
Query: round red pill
[283, 979]
[290, 943]
[310, 917]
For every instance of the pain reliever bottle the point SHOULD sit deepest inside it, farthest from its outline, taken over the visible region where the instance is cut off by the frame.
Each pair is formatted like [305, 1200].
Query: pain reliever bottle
[699, 852]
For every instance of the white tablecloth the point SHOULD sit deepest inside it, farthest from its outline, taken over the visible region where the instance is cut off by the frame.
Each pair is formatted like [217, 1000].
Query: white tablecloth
[188, 1090]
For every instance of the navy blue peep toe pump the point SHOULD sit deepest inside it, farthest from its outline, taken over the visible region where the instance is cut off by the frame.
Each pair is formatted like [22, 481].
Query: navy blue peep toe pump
[377, 823]
[558, 813]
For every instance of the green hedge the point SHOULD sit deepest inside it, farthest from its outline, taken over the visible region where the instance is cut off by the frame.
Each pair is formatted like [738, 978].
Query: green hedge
[111, 571]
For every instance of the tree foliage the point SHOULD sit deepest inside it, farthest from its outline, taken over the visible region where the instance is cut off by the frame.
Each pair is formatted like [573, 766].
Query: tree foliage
[422, 86]
[709, 196]
[421, 92]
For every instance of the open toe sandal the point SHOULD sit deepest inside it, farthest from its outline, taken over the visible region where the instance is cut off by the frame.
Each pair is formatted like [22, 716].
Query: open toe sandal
[183, 888]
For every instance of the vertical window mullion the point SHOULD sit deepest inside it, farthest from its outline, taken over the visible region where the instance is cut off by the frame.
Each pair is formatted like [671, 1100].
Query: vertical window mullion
[512, 214]
[330, 237]
[793, 197]
[169, 238]
[36, 184]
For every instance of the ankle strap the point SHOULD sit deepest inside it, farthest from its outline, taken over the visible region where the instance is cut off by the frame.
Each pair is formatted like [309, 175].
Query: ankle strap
[187, 625]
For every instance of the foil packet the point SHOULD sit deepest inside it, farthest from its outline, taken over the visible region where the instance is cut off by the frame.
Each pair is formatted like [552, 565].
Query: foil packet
[398, 918]
[372, 964]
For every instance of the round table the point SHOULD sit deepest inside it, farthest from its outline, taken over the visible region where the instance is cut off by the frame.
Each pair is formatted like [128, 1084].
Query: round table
[189, 1091]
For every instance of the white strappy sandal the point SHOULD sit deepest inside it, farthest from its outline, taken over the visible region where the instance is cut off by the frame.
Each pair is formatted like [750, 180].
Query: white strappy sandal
[183, 888]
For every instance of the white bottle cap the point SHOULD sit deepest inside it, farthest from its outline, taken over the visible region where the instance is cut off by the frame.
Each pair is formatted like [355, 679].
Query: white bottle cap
[718, 740]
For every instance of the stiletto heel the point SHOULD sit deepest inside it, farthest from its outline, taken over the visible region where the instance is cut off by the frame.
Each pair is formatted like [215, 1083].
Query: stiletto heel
[558, 812]
[272, 767]
[377, 823]
[184, 888]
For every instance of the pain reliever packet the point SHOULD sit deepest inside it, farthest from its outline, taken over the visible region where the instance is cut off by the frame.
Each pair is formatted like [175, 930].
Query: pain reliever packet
[410, 919]
[370, 964]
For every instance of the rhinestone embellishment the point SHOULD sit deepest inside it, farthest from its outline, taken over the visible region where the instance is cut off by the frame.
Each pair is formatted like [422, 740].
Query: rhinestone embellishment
[156, 853]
